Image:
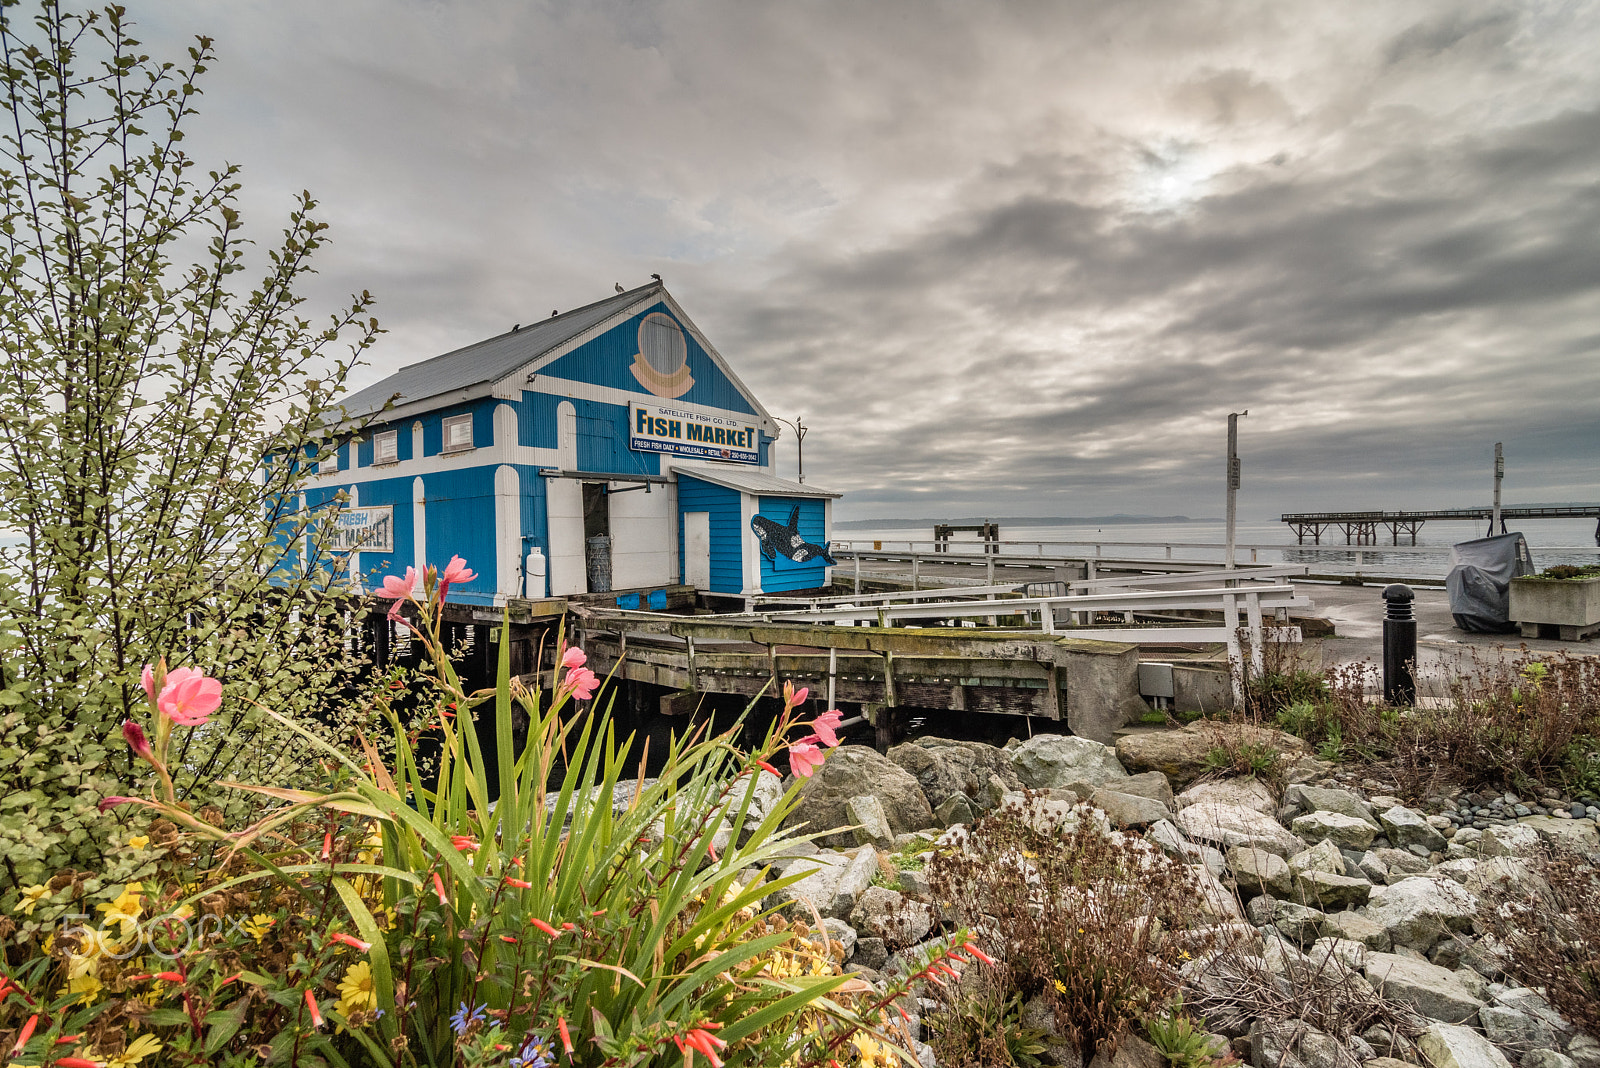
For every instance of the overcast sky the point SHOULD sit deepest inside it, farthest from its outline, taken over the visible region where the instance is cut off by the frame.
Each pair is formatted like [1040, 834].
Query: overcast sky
[1003, 258]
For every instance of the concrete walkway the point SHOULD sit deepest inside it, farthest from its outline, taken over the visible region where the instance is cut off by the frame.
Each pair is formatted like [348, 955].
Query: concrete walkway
[1442, 650]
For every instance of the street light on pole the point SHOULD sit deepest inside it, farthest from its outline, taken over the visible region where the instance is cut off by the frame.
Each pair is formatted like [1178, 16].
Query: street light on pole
[1233, 481]
[800, 429]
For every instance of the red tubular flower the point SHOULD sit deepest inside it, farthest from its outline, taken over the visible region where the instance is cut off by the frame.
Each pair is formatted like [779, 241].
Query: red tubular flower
[316, 1013]
[67, 1039]
[351, 941]
[545, 927]
[706, 1043]
[464, 843]
[25, 1034]
[133, 734]
[770, 768]
[566, 1036]
[171, 977]
[231, 979]
[509, 938]
[971, 947]
[327, 845]
[438, 888]
[520, 884]
[76, 1062]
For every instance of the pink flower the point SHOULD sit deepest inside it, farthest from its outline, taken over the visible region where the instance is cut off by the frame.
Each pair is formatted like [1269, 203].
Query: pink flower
[574, 658]
[148, 681]
[804, 757]
[793, 698]
[826, 724]
[400, 589]
[189, 697]
[133, 734]
[455, 571]
[580, 682]
[113, 802]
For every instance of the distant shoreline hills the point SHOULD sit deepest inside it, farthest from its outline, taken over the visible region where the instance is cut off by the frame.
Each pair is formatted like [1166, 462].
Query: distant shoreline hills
[1014, 521]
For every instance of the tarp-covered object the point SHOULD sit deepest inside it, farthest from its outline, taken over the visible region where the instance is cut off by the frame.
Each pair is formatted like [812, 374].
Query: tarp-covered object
[1480, 581]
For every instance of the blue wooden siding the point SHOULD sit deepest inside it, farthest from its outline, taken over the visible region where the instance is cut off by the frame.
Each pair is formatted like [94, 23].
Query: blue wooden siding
[783, 573]
[394, 493]
[727, 532]
[605, 361]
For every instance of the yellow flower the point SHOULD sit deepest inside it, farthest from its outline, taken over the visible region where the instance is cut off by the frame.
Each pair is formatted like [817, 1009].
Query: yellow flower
[139, 841]
[1061, 988]
[137, 1050]
[357, 993]
[92, 947]
[870, 1052]
[87, 987]
[31, 896]
[125, 910]
[258, 926]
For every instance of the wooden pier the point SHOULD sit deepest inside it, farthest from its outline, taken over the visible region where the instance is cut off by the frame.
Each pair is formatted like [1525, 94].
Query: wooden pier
[1361, 528]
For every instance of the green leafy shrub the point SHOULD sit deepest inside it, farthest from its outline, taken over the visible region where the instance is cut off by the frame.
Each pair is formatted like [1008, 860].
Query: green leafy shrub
[982, 1027]
[393, 919]
[146, 379]
[1184, 1042]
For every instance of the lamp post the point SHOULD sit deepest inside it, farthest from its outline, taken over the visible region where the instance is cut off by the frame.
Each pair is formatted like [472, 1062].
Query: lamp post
[1233, 481]
[800, 429]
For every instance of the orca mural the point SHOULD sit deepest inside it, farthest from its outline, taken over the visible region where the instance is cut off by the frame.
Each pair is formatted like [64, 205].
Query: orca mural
[787, 540]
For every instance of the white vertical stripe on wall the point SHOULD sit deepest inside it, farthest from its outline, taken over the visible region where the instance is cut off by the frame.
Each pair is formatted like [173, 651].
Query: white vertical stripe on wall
[507, 524]
[416, 440]
[564, 511]
[355, 557]
[419, 519]
[752, 547]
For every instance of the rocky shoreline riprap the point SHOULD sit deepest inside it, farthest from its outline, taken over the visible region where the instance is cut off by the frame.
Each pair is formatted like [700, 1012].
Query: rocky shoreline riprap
[1335, 884]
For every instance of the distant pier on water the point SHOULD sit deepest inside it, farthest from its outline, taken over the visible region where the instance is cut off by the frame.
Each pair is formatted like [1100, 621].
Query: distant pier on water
[1361, 528]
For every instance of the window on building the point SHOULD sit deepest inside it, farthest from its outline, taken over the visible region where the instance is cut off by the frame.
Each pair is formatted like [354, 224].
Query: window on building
[386, 447]
[329, 463]
[457, 433]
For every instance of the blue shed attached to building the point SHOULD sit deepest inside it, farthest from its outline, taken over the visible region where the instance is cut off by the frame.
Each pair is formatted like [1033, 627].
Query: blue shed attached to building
[616, 427]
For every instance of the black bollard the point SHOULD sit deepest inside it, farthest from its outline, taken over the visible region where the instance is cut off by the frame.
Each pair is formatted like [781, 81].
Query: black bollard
[1399, 645]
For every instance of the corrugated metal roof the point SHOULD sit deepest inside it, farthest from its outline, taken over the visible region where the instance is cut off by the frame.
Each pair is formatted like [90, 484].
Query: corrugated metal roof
[753, 480]
[488, 361]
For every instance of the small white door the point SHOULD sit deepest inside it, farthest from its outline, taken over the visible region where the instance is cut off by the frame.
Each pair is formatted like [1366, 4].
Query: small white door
[697, 550]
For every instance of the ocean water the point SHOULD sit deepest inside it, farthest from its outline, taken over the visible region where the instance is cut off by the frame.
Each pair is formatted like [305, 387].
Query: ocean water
[1551, 541]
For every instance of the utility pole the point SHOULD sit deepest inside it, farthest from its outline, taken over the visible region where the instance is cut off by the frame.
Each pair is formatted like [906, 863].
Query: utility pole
[1233, 481]
[800, 429]
[1499, 476]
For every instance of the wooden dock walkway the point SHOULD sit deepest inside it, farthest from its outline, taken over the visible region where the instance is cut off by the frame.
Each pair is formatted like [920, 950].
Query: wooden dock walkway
[1361, 528]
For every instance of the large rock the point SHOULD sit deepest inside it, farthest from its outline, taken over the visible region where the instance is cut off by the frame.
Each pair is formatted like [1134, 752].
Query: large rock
[1302, 799]
[891, 916]
[1418, 912]
[817, 888]
[1356, 928]
[1256, 871]
[1452, 1046]
[851, 771]
[1324, 856]
[1295, 1044]
[1151, 784]
[1331, 892]
[1235, 825]
[974, 762]
[1433, 991]
[1131, 1052]
[1049, 761]
[1407, 828]
[1346, 832]
[1298, 923]
[1127, 810]
[1246, 792]
[1578, 836]
[854, 879]
[1181, 755]
[1510, 840]
[1513, 1030]
[934, 770]
[871, 823]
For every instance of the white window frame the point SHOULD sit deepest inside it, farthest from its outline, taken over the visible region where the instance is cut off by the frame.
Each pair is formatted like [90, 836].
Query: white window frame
[450, 423]
[386, 447]
[330, 464]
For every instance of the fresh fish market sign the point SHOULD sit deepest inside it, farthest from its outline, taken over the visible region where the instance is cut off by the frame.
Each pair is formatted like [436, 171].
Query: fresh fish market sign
[368, 530]
[663, 428]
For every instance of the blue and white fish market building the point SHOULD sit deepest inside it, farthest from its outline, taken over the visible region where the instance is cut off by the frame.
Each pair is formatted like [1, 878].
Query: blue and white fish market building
[607, 449]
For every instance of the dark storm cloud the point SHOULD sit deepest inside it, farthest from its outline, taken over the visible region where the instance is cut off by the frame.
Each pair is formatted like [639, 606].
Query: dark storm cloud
[1012, 259]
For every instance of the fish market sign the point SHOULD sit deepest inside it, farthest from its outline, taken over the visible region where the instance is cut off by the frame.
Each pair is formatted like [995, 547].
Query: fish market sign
[368, 530]
[665, 429]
